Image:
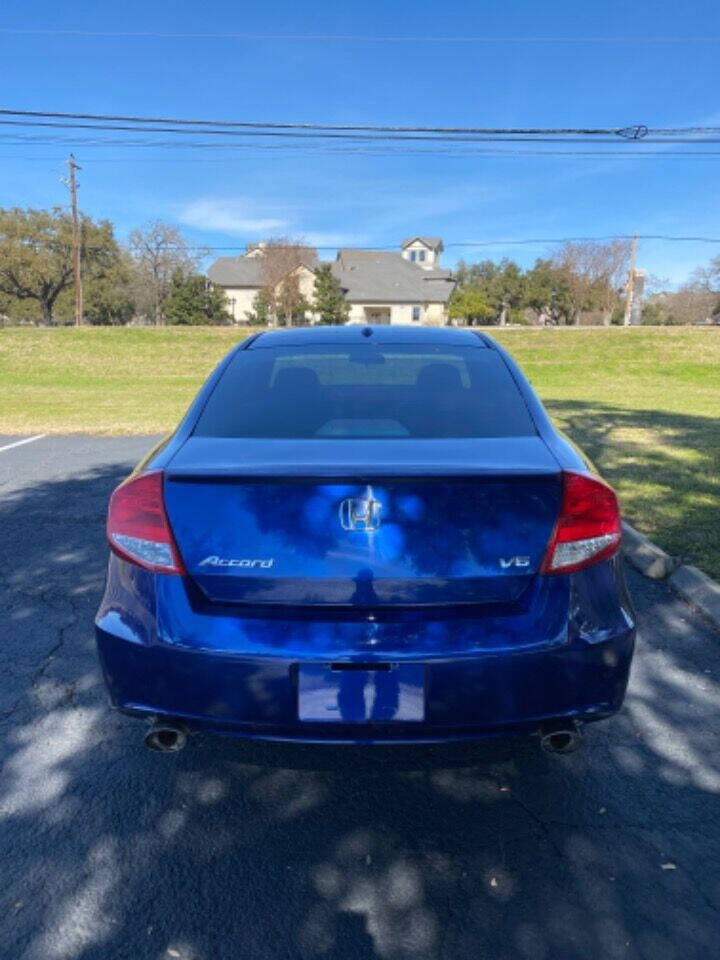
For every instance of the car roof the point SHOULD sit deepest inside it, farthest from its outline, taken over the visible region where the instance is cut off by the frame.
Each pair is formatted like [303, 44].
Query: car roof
[365, 333]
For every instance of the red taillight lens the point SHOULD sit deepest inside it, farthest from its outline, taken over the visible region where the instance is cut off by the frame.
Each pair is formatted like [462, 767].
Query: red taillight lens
[588, 528]
[137, 525]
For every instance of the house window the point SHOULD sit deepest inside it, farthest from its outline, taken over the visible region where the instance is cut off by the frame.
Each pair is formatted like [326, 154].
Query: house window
[413, 255]
[421, 255]
[416, 313]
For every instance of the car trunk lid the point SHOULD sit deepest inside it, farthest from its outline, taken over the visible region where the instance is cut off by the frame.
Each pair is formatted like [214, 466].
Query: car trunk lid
[409, 523]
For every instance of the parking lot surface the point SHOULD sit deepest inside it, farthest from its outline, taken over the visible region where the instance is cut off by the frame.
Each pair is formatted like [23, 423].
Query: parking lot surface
[231, 850]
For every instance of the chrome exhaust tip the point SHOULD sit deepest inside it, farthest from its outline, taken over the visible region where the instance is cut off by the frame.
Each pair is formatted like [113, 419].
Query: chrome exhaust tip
[561, 738]
[166, 737]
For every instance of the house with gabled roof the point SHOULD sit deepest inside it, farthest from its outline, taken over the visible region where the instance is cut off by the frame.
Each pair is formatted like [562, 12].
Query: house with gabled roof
[407, 286]
[424, 251]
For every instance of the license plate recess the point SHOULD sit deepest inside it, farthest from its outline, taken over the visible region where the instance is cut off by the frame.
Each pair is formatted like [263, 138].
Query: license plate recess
[361, 693]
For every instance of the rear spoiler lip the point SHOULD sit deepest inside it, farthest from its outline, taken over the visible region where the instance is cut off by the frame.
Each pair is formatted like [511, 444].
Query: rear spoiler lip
[360, 459]
[299, 473]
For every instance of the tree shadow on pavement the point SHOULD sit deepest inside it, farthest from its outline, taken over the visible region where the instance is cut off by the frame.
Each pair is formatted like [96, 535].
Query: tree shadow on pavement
[234, 850]
[665, 466]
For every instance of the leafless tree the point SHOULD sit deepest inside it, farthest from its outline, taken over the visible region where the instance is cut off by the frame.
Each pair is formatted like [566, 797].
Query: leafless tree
[697, 300]
[655, 284]
[705, 279]
[714, 270]
[158, 250]
[595, 273]
[281, 258]
[684, 306]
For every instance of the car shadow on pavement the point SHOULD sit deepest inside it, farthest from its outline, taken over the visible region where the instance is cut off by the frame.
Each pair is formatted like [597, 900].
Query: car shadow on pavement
[239, 850]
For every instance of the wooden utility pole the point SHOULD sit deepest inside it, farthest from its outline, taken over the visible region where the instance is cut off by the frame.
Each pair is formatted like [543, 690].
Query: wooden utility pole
[630, 286]
[75, 241]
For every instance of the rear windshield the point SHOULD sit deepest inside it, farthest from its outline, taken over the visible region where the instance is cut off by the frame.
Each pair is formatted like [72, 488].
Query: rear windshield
[366, 391]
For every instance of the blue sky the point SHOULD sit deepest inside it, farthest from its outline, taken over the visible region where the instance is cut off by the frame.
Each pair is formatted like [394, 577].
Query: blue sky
[227, 197]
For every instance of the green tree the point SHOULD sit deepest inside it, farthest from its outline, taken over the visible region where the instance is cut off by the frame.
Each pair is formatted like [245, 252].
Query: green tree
[507, 290]
[617, 318]
[469, 304]
[653, 314]
[191, 299]
[261, 312]
[36, 258]
[328, 297]
[289, 301]
[502, 285]
[107, 296]
[547, 293]
[479, 274]
[106, 300]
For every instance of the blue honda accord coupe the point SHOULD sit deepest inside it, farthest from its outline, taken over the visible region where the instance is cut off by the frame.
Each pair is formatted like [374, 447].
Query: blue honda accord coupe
[365, 535]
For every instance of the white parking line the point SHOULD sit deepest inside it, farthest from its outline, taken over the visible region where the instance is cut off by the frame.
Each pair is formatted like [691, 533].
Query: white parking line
[19, 443]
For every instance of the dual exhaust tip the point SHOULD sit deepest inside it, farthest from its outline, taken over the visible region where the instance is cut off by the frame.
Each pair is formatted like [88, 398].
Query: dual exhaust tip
[561, 737]
[169, 737]
[166, 737]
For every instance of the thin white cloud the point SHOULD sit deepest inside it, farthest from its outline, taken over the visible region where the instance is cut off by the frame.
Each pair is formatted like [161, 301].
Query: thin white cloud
[252, 219]
[230, 216]
[332, 240]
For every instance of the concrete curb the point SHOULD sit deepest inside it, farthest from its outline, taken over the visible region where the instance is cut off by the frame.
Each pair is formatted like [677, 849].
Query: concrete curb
[691, 584]
[699, 590]
[649, 559]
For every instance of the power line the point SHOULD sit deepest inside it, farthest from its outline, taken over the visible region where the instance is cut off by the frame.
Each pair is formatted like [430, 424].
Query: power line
[354, 137]
[208, 249]
[307, 151]
[303, 149]
[354, 37]
[373, 135]
[286, 125]
[373, 146]
[633, 132]
[470, 244]
[616, 236]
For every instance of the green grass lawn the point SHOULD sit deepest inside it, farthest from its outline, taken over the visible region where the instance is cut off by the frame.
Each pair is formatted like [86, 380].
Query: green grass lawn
[643, 403]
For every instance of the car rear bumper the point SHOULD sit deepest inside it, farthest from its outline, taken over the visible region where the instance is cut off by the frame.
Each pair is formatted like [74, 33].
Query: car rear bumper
[469, 697]
[165, 652]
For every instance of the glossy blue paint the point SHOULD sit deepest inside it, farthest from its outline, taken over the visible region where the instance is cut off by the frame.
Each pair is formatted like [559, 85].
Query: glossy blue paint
[565, 652]
[286, 542]
[339, 693]
[304, 336]
[237, 649]
[228, 457]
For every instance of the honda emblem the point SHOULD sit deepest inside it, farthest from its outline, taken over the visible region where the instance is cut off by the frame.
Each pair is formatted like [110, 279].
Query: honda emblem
[359, 514]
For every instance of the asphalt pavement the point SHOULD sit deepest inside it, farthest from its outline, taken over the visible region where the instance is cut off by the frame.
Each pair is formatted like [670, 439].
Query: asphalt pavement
[233, 851]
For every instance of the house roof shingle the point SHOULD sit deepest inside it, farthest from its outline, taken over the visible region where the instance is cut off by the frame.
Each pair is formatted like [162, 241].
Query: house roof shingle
[371, 276]
[377, 276]
[435, 243]
[247, 271]
[236, 272]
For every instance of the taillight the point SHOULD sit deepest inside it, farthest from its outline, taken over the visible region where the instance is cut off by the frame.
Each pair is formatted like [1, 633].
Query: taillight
[137, 525]
[588, 527]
